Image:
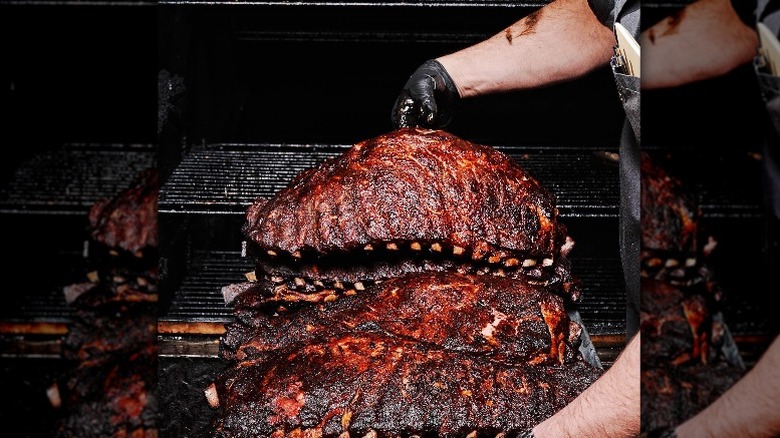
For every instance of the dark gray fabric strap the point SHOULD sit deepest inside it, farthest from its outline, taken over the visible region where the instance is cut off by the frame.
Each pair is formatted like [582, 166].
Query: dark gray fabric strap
[604, 11]
[628, 90]
[746, 9]
[627, 13]
[770, 90]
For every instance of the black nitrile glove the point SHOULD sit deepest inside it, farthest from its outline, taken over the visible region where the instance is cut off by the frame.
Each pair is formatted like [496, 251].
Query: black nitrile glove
[428, 98]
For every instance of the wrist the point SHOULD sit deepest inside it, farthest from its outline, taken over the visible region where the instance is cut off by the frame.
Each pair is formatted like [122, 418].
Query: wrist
[448, 84]
[458, 75]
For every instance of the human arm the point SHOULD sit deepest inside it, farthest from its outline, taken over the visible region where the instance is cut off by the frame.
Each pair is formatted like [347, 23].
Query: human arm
[748, 409]
[704, 40]
[560, 41]
[609, 407]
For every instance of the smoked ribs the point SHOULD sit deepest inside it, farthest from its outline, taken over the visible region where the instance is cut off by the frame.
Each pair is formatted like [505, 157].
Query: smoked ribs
[684, 364]
[109, 386]
[407, 202]
[416, 285]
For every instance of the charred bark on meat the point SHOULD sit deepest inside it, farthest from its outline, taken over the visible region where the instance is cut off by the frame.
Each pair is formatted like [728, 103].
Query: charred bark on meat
[496, 317]
[684, 367]
[109, 388]
[406, 202]
[365, 382]
[127, 222]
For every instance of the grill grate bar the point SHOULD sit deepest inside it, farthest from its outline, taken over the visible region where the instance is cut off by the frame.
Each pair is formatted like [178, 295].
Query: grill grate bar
[603, 308]
[200, 295]
[45, 304]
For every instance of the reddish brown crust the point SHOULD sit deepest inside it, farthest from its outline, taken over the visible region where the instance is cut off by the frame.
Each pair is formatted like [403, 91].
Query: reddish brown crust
[366, 381]
[506, 319]
[128, 221]
[410, 185]
[672, 394]
[675, 322]
[669, 212]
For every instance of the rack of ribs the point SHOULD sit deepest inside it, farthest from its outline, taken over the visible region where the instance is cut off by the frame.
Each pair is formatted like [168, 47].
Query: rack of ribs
[484, 315]
[418, 284]
[683, 368]
[109, 386]
[684, 365]
[406, 202]
[373, 384]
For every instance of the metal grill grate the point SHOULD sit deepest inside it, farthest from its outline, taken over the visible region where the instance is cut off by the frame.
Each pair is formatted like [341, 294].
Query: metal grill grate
[41, 305]
[603, 306]
[226, 178]
[69, 179]
[200, 296]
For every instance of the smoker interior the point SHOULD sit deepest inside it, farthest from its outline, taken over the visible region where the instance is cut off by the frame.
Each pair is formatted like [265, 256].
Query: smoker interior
[328, 73]
[78, 123]
[80, 126]
[719, 126]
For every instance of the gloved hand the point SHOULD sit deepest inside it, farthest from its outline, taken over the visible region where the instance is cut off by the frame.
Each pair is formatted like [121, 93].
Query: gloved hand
[428, 98]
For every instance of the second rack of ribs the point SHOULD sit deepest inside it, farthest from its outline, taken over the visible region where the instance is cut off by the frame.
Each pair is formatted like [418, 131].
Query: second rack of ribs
[500, 317]
[435, 354]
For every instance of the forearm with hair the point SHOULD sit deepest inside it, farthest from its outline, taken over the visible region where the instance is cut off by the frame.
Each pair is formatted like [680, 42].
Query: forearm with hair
[562, 40]
[608, 407]
[748, 409]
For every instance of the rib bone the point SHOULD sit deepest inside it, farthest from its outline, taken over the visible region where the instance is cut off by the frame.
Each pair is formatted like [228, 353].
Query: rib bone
[511, 262]
[211, 396]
